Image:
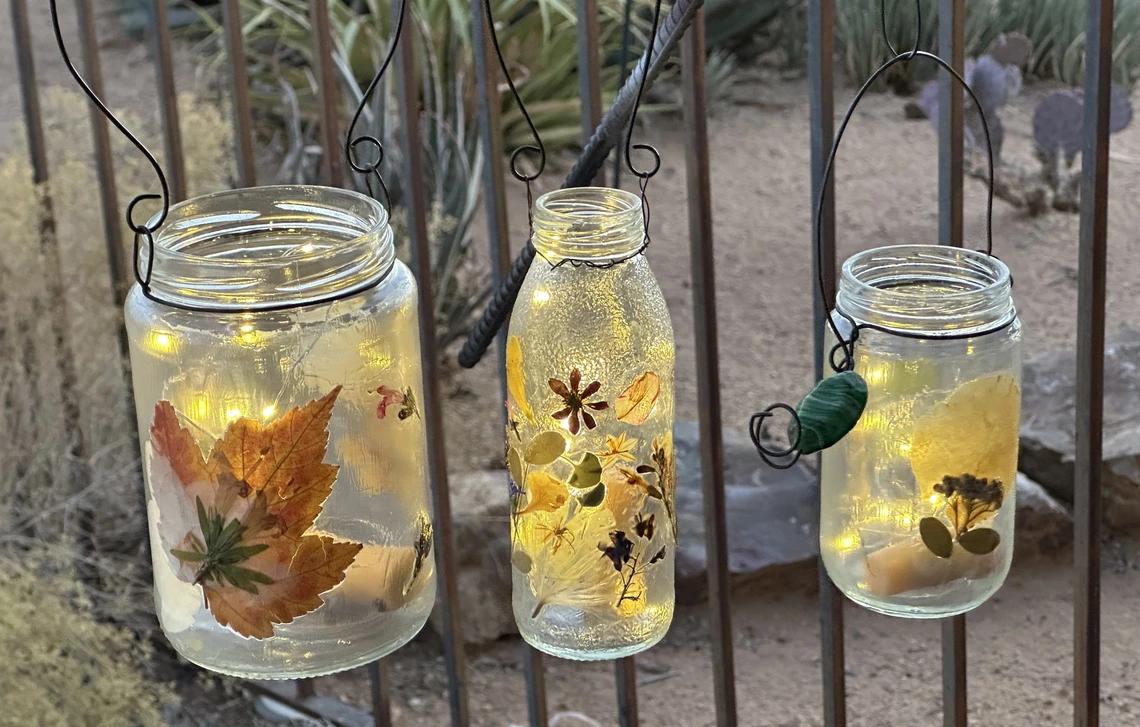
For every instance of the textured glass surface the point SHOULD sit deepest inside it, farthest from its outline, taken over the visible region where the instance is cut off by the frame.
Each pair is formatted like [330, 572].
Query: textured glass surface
[253, 368]
[936, 409]
[590, 358]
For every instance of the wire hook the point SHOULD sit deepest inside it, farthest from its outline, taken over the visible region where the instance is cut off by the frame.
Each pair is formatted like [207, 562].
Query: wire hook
[371, 168]
[140, 230]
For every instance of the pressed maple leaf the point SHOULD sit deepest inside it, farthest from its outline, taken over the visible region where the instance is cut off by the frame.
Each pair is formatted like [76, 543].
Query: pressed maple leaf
[235, 522]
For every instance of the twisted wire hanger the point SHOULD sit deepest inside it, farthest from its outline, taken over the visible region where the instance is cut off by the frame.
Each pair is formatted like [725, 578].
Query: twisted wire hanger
[140, 230]
[371, 168]
[787, 457]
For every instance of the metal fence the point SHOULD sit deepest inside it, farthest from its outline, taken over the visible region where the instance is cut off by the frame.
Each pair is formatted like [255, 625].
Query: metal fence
[820, 14]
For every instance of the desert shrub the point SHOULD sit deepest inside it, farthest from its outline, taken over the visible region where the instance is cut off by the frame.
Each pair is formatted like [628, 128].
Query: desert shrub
[62, 665]
[1056, 28]
[39, 501]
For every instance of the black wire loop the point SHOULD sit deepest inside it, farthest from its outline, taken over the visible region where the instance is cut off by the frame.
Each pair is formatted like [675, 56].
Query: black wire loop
[538, 147]
[846, 346]
[140, 230]
[371, 169]
[780, 459]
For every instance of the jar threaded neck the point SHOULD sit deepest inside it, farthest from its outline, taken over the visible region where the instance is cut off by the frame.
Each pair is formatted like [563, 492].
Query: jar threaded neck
[264, 247]
[589, 224]
[930, 289]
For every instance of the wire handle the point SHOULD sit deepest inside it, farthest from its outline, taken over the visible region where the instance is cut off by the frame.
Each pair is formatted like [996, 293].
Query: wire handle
[141, 230]
[371, 169]
[785, 458]
[538, 147]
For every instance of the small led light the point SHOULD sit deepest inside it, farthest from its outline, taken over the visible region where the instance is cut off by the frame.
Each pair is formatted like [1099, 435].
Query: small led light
[232, 414]
[268, 411]
[247, 328]
[541, 296]
[163, 341]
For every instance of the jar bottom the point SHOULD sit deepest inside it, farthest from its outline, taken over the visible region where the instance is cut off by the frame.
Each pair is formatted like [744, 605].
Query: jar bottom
[347, 648]
[614, 639]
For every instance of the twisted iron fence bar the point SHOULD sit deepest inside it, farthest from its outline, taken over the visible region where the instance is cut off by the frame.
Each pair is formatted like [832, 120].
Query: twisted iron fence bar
[609, 133]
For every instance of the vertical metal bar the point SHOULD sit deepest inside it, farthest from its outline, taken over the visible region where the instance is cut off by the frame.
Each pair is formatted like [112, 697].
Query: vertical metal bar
[420, 245]
[1090, 365]
[821, 75]
[117, 259]
[306, 689]
[495, 205]
[381, 702]
[626, 672]
[954, 704]
[33, 116]
[951, 117]
[328, 104]
[168, 100]
[589, 71]
[708, 365]
[951, 114]
[239, 87]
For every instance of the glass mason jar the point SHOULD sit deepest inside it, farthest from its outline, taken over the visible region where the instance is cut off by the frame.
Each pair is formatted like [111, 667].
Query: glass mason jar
[917, 501]
[590, 440]
[283, 448]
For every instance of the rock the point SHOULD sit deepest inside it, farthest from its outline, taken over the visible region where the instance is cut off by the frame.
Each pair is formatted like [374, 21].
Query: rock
[772, 518]
[1048, 445]
[482, 531]
[1044, 526]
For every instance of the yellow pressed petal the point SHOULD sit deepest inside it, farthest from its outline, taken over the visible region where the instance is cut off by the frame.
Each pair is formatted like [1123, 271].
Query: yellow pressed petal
[974, 431]
[636, 403]
[516, 377]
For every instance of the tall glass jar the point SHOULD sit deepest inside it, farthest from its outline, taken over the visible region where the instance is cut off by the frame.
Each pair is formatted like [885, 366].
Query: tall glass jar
[590, 441]
[283, 447]
[917, 502]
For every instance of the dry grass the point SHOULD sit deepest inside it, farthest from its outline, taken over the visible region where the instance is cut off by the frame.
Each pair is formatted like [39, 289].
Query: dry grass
[41, 498]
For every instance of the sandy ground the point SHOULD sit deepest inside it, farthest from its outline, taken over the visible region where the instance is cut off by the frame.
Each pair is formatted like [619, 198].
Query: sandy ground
[887, 190]
[1020, 665]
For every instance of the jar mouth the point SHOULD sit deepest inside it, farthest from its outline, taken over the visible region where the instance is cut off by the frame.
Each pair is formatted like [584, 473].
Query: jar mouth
[265, 247]
[591, 224]
[930, 288]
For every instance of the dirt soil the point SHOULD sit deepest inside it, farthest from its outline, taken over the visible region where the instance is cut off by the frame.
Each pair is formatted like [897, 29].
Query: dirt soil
[1020, 665]
[1020, 642]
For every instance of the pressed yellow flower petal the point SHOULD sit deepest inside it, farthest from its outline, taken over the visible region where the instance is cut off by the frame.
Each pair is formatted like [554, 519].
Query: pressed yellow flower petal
[636, 403]
[974, 431]
[516, 377]
[544, 493]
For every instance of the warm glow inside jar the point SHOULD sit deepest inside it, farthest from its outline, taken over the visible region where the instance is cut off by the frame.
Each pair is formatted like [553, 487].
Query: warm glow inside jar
[590, 444]
[917, 502]
[283, 446]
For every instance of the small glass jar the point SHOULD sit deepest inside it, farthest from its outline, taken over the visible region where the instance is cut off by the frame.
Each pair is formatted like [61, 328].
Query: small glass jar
[590, 441]
[917, 501]
[283, 447]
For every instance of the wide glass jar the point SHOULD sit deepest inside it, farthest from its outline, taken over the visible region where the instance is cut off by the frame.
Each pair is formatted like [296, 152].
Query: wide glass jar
[284, 451]
[590, 441]
[917, 502]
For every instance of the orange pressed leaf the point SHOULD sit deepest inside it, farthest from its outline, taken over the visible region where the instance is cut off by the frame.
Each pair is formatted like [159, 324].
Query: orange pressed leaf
[295, 441]
[235, 523]
[636, 403]
[300, 570]
[174, 442]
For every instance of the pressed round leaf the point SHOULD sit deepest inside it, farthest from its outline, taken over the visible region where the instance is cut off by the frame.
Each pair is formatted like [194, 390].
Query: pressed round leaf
[587, 473]
[980, 541]
[545, 448]
[521, 561]
[514, 464]
[936, 536]
[829, 412]
[594, 497]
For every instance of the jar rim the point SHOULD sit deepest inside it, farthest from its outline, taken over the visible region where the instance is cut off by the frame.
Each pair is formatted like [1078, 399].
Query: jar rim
[269, 247]
[881, 286]
[588, 224]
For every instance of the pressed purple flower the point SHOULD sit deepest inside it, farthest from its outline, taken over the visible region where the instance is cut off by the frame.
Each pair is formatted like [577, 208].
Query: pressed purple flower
[577, 404]
[620, 551]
